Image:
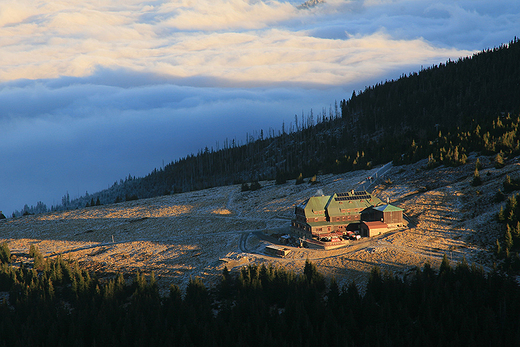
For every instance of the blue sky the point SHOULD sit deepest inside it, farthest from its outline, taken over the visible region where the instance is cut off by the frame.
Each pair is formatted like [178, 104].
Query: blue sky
[91, 91]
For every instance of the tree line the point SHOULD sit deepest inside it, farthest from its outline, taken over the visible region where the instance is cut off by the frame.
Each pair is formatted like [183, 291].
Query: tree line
[55, 302]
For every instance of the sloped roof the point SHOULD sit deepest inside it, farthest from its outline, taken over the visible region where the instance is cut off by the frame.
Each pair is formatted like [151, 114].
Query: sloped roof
[350, 201]
[387, 208]
[316, 204]
[376, 225]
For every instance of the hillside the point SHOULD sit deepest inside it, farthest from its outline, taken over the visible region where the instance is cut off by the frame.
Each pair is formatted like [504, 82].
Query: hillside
[399, 120]
[198, 233]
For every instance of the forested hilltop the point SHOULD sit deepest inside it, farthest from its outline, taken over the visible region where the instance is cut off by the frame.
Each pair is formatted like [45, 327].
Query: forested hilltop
[442, 113]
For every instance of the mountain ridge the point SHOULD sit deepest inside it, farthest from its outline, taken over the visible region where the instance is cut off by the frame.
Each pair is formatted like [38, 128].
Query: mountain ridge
[396, 121]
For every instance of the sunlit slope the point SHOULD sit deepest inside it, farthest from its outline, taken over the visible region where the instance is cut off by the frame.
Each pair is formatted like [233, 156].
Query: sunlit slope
[198, 233]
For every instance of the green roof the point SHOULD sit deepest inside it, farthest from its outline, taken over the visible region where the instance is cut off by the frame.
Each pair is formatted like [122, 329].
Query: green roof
[333, 206]
[316, 204]
[388, 208]
[350, 201]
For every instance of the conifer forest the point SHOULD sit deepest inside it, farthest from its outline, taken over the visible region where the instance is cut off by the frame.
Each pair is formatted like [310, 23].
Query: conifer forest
[52, 302]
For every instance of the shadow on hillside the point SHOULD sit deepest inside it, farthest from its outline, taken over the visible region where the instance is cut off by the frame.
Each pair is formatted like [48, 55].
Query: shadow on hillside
[107, 230]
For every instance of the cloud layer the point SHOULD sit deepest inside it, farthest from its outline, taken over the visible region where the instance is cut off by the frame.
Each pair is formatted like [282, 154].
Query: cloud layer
[93, 90]
[243, 41]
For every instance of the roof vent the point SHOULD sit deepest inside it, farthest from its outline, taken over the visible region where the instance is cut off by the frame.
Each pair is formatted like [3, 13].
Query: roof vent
[319, 192]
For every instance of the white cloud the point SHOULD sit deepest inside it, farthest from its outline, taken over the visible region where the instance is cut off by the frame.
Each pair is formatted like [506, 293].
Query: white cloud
[255, 42]
[91, 90]
[225, 14]
[15, 12]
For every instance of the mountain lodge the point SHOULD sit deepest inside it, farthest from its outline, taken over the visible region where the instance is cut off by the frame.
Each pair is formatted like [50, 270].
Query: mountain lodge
[326, 218]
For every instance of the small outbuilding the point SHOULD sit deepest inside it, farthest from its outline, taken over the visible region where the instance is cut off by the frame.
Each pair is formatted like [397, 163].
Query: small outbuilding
[370, 229]
[277, 250]
[388, 214]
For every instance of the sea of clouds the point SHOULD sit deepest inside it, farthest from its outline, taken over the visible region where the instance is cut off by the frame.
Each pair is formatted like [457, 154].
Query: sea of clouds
[91, 91]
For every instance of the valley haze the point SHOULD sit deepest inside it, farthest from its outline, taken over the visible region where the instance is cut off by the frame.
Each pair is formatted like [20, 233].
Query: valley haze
[91, 92]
